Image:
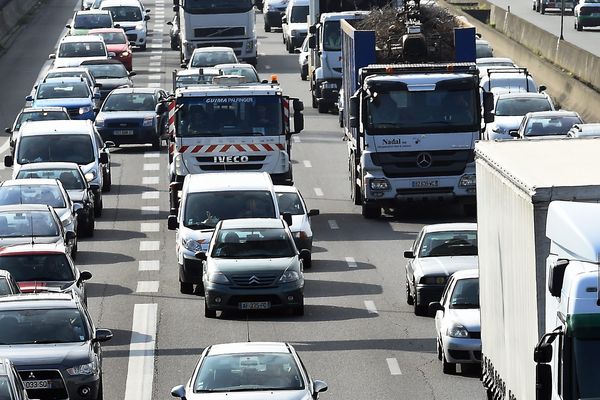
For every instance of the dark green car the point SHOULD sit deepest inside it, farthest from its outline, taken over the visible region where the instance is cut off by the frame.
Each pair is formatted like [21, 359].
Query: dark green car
[587, 13]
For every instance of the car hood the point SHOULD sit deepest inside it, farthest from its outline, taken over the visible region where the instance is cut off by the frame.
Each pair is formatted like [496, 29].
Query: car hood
[45, 286]
[445, 265]
[469, 318]
[258, 395]
[38, 355]
[73, 61]
[250, 264]
[300, 27]
[76, 196]
[75, 32]
[111, 83]
[73, 102]
[113, 115]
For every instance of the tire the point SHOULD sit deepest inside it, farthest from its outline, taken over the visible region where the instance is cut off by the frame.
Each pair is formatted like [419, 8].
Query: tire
[98, 206]
[308, 262]
[290, 48]
[173, 44]
[253, 61]
[267, 28]
[323, 107]
[199, 289]
[578, 26]
[409, 299]
[74, 250]
[370, 211]
[208, 313]
[419, 309]
[315, 103]
[100, 395]
[299, 310]
[143, 47]
[88, 228]
[107, 184]
[447, 367]
[440, 352]
[186, 287]
[542, 9]
[156, 144]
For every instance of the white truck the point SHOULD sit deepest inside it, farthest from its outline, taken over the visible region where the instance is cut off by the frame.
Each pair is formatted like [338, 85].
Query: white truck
[209, 23]
[231, 126]
[539, 248]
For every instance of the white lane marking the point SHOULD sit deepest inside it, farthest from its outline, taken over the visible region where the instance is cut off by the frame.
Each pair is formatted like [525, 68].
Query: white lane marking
[333, 224]
[150, 180]
[154, 85]
[152, 167]
[155, 45]
[155, 69]
[147, 287]
[296, 139]
[154, 58]
[5, 146]
[267, 67]
[154, 66]
[393, 366]
[150, 210]
[351, 262]
[150, 195]
[140, 370]
[149, 245]
[156, 51]
[370, 306]
[149, 227]
[154, 77]
[307, 164]
[151, 154]
[149, 265]
[318, 192]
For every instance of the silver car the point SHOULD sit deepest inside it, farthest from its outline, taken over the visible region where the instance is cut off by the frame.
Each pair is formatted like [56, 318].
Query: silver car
[250, 371]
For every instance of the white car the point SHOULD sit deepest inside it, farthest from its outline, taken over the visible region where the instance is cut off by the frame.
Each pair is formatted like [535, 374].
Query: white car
[211, 56]
[73, 50]
[438, 251]
[131, 16]
[485, 63]
[303, 59]
[457, 323]
[509, 109]
[294, 26]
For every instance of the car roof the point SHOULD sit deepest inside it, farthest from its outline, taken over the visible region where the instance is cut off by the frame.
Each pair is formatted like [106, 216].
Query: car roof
[69, 69]
[285, 189]
[29, 182]
[493, 60]
[249, 347]
[101, 61]
[520, 95]
[91, 11]
[466, 273]
[82, 38]
[228, 181]
[235, 65]
[115, 3]
[196, 71]
[42, 109]
[135, 90]
[43, 300]
[558, 113]
[49, 165]
[106, 30]
[252, 223]
[33, 248]
[299, 2]
[65, 127]
[213, 49]
[456, 226]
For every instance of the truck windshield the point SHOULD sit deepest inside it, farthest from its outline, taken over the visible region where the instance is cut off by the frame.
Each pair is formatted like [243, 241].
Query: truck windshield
[332, 36]
[229, 116]
[217, 6]
[586, 354]
[433, 111]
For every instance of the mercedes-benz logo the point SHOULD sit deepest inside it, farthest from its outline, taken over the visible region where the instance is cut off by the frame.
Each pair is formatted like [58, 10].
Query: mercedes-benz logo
[254, 280]
[424, 160]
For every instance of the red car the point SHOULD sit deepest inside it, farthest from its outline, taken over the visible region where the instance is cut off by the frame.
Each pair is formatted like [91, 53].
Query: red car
[116, 42]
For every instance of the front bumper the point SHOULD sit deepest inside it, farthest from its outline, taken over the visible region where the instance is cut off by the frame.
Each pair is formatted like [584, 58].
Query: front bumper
[136, 36]
[273, 18]
[140, 135]
[462, 350]
[225, 297]
[427, 293]
[78, 387]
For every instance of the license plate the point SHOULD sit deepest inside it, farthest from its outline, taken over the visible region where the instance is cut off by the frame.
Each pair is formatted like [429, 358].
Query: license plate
[425, 184]
[37, 384]
[254, 305]
[124, 132]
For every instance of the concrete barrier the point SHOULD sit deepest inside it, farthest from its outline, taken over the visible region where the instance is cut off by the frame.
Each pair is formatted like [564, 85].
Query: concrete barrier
[11, 13]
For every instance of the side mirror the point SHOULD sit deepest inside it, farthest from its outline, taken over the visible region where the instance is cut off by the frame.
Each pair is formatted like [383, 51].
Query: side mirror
[298, 122]
[116, 25]
[284, 20]
[103, 335]
[312, 42]
[29, 98]
[160, 108]
[178, 391]
[319, 386]
[353, 122]
[541, 88]
[176, 8]
[172, 222]
[112, 54]
[147, 10]
[353, 106]
[297, 50]
[556, 276]
[7, 130]
[287, 217]
[304, 255]
[68, 26]
[109, 144]
[542, 354]
[8, 161]
[146, 18]
[313, 213]
[543, 382]
[514, 133]
[132, 73]
[409, 254]
[51, 56]
[435, 306]
[94, 187]
[312, 29]
[183, 65]
[103, 158]
[85, 276]
[97, 95]
[170, 23]
[201, 255]
[70, 236]
[488, 107]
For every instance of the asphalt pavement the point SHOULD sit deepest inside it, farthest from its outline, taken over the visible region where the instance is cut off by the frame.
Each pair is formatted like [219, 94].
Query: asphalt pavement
[358, 333]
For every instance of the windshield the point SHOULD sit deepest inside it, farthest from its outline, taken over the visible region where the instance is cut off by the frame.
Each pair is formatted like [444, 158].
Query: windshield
[230, 116]
[290, 203]
[432, 111]
[5, 389]
[332, 36]
[38, 267]
[40, 116]
[586, 355]
[82, 49]
[217, 6]
[125, 13]
[55, 325]
[299, 14]
[519, 107]
[66, 148]
[113, 37]
[32, 194]
[445, 244]
[204, 210]
[248, 372]
[92, 21]
[547, 126]
[465, 294]
[248, 73]
[107, 71]
[27, 223]
[212, 58]
[253, 243]
[60, 90]
[130, 102]
[70, 179]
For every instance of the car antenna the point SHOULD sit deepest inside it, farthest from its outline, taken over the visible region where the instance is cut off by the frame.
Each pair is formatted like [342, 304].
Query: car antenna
[31, 225]
[247, 328]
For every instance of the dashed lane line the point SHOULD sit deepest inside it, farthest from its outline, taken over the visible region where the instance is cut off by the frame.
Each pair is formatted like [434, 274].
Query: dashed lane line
[332, 224]
[307, 164]
[318, 192]
[152, 167]
[151, 154]
[150, 195]
[147, 287]
[150, 180]
[370, 306]
[393, 366]
[149, 245]
[149, 265]
[150, 210]
[149, 227]
[351, 262]
[140, 370]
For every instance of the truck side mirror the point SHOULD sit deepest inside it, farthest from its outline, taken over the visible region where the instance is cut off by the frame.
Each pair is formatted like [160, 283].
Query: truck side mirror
[543, 382]
[514, 133]
[298, 122]
[434, 307]
[541, 89]
[353, 106]
[104, 158]
[312, 42]
[488, 107]
[8, 161]
[172, 222]
[312, 29]
[542, 354]
[556, 275]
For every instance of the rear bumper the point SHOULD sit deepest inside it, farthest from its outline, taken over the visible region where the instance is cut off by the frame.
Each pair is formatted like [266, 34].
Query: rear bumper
[222, 297]
[273, 18]
[426, 294]
[141, 135]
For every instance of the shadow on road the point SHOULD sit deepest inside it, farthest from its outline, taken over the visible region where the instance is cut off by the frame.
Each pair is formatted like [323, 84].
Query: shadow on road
[101, 257]
[106, 289]
[319, 288]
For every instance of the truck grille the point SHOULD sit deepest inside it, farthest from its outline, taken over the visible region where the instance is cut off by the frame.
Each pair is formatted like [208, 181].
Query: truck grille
[404, 164]
[254, 280]
[58, 390]
[211, 159]
[220, 32]
[132, 37]
[231, 167]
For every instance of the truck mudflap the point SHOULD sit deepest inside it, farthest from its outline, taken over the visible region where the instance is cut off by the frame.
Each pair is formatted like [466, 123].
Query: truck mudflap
[493, 383]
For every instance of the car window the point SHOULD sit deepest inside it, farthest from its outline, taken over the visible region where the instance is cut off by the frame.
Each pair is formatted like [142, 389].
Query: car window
[91, 21]
[449, 243]
[107, 71]
[253, 243]
[465, 294]
[39, 326]
[60, 90]
[40, 116]
[125, 13]
[212, 58]
[28, 223]
[38, 267]
[5, 289]
[5, 388]
[32, 194]
[521, 106]
[82, 49]
[552, 125]
[70, 179]
[290, 203]
[113, 37]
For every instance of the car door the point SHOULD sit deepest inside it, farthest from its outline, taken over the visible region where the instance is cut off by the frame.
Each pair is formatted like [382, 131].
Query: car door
[101, 147]
[439, 315]
[410, 268]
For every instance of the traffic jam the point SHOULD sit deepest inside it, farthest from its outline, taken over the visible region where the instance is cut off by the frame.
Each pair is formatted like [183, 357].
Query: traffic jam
[470, 164]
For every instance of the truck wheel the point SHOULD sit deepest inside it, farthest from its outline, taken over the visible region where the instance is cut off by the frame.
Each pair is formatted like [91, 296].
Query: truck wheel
[156, 144]
[440, 352]
[267, 27]
[208, 313]
[409, 299]
[186, 287]
[315, 103]
[370, 211]
[447, 367]
[542, 9]
[308, 262]
[323, 107]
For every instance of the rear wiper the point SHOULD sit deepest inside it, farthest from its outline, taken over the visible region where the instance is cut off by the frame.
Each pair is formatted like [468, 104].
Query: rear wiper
[48, 341]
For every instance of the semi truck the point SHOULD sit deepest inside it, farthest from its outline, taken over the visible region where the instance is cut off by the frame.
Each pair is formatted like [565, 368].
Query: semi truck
[410, 128]
[539, 255]
[232, 126]
[209, 23]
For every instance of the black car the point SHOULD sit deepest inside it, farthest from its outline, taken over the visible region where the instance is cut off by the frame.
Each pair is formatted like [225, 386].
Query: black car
[74, 182]
[11, 385]
[51, 339]
[174, 32]
[109, 74]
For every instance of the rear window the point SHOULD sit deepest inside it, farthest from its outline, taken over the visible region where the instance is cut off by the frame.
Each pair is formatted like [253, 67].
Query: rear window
[59, 90]
[38, 267]
[27, 223]
[66, 148]
[91, 21]
[32, 194]
[82, 49]
[70, 179]
[40, 116]
[518, 107]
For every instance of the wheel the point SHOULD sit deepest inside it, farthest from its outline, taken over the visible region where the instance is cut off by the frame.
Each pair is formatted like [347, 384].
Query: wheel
[98, 206]
[173, 44]
[370, 211]
[409, 299]
[542, 9]
[88, 229]
[315, 103]
[156, 144]
[323, 107]
[303, 75]
[100, 395]
[308, 262]
[578, 26]
[290, 47]
[208, 313]
[440, 352]
[107, 184]
[74, 250]
[447, 367]
[199, 289]
[283, 39]
[299, 310]
[267, 28]
[143, 47]
[419, 309]
[253, 61]
[186, 287]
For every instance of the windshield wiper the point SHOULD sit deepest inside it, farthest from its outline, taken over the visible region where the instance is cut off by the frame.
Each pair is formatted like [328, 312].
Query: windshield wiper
[199, 226]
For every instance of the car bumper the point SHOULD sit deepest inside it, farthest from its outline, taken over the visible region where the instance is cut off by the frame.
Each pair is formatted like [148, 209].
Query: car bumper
[273, 18]
[426, 294]
[78, 387]
[223, 297]
[137, 37]
[462, 350]
[139, 135]
[329, 90]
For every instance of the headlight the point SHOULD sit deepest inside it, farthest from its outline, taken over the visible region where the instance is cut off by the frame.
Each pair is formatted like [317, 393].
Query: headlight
[289, 276]
[180, 167]
[68, 220]
[457, 331]
[467, 180]
[379, 184]
[148, 121]
[90, 176]
[99, 122]
[139, 27]
[249, 45]
[84, 110]
[217, 277]
[84, 369]
[433, 280]
[191, 244]
[293, 33]
[124, 54]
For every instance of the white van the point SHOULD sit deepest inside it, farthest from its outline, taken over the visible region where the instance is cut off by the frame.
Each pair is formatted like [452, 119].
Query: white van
[205, 200]
[294, 25]
[74, 141]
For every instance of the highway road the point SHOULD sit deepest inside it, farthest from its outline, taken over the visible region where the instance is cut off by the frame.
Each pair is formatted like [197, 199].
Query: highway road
[550, 22]
[358, 334]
